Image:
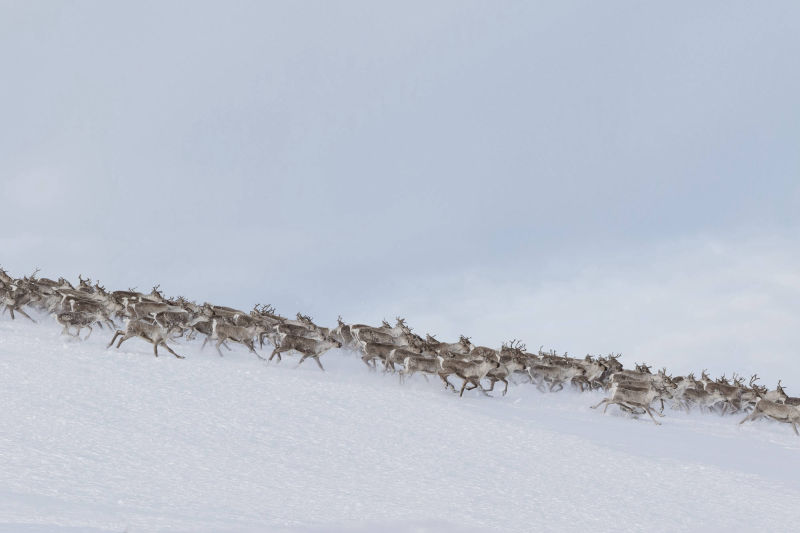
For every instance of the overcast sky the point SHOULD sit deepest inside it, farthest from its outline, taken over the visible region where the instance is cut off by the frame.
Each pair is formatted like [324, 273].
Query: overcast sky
[590, 176]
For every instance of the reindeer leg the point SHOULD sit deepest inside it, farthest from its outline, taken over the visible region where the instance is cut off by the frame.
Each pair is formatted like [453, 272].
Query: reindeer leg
[90, 333]
[492, 387]
[123, 339]
[276, 351]
[23, 313]
[649, 412]
[316, 358]
[164, 344]
[462, 389]
[505, 390]
[217, 347]
[301, 360]
[447, 384]
[752, 416]
[252, 348]
[155, 348]
[117, 334]
[604, 400]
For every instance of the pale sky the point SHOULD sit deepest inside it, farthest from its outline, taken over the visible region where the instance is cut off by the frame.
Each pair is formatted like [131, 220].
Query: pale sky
[592, 177]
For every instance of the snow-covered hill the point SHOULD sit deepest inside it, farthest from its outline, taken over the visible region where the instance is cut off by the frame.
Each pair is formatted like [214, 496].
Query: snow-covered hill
[117, 440]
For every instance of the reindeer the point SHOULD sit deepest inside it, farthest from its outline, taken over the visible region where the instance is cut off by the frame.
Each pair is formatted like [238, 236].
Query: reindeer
[243, 335]
[462, 347]
[368, 334]
[505, 370]
[78, 320]
[426, 366]
[376, 350]
[787, 414]
[555, 373]
[593, 372]
[731, 394]
[778, 395]
[14, 296]
[307, 347]
[470, 372]
[152, 333]
[342, 333]
[398, 355]
[630, 397]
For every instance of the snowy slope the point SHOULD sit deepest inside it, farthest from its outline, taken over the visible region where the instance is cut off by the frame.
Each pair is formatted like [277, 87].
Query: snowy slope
[117, 440]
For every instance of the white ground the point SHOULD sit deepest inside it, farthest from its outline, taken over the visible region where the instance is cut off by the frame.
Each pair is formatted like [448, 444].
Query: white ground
[117, 440]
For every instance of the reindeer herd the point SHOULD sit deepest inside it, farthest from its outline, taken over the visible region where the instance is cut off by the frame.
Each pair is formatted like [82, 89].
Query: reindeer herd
[397, 349]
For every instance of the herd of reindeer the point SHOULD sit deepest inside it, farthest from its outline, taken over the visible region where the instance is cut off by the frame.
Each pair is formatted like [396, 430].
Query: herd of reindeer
[159, 320]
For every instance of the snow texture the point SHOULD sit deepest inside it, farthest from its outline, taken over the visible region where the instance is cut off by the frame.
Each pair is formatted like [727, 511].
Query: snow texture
[96, 440]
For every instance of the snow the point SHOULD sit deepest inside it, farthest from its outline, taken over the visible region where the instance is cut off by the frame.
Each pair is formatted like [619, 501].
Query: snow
[96, 440]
